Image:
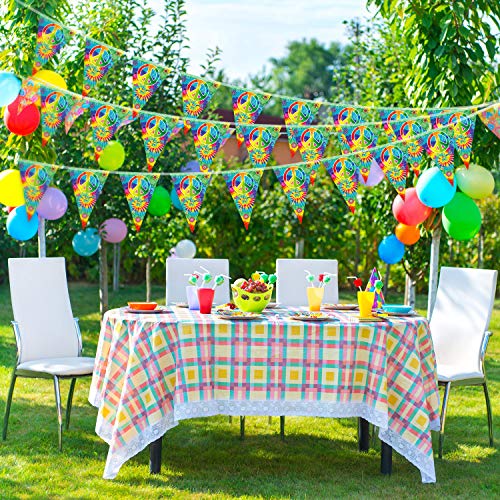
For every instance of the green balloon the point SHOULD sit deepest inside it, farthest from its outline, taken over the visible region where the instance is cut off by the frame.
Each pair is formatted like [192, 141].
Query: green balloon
[112, 156]
[458, 232]
[476, 181]
[160, 202]
[461, 217]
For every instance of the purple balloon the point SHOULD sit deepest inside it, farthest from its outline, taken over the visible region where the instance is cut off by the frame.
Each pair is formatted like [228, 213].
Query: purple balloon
[113, 230]
[374, 177]
[191, 166]
[53, 204]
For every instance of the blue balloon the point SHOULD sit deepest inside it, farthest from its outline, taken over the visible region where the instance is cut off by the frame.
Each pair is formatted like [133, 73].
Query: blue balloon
[86, 242]
[18, 225]
[391, 250]
[10, 87]
[434, 189]
[175, 199]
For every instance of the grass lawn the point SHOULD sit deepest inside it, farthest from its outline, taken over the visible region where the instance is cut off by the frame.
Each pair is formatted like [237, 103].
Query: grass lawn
[204, 458]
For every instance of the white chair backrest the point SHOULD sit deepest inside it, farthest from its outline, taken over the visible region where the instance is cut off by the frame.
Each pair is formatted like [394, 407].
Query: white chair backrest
[461, 315]
[291, 285]
[177, 282]
[41, 307]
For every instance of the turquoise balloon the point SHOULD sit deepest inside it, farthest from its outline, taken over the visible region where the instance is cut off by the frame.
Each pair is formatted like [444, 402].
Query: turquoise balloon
[391, 250]
[10, 87]
[475, 181]
[18, 225]
[86, 242]
[175, 199]
[433, 189]
[461, 217]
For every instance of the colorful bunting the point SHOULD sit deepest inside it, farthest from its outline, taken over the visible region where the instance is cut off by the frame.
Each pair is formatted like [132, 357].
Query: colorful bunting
[196, 94]
[99, 59]
[79, 107]
[157, 130]
[395, 115]
[379, 300]
[440, 148]
[35, 179]
[138, 190]
[392, 161]
[344, 174]
[295, 183]
[359, 138]
[55, 107]
[105, 121]
[208, 138]
[259, 141]
[146, 79]
[191, 190]
[491, 119]
[29, 94]
[50, 39]
[87, 186]
[352, 115]
[243, 187]
[415, 146]
[298, 113]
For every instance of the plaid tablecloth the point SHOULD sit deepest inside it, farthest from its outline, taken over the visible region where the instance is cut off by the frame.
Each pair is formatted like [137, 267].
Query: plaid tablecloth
[153, 370]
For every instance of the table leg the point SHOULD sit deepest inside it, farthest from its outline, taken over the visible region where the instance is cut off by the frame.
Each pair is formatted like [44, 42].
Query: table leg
[155, 456]
[363, 434]
[386, 459]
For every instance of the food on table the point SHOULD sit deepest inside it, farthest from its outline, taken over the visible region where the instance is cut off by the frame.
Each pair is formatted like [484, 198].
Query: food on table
[253, 295]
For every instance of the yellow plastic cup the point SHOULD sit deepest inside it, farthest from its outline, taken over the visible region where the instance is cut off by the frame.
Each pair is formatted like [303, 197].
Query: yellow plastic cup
[315, 297]
[365, 302]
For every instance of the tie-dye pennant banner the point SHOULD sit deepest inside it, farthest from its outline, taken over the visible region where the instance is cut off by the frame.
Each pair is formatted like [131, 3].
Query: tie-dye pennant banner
[79, 107]
[298, 113]
[344, 173]
[259, 141]
[208, 138]
[35, 179]
[295, 183]
[243, 187]
[99, 59]
[378, 301]
[29, 94]
[196, 94]
[415, 146]
[55, 107]
[138, 190]
[491, 119]
[50, 39]
[351, 115]
[359, 138]
[87, 186]
[389, 116]
[392, 161]
[105, 121]
[157, 130]
[146, 79]
[191, 191]
[247, 106]
[440, 147]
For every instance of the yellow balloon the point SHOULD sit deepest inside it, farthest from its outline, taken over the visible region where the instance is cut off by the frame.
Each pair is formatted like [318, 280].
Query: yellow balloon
[11, 189]
[51, 77]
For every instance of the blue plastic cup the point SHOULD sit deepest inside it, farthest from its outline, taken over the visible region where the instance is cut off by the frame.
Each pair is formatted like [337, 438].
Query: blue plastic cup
[192, 298]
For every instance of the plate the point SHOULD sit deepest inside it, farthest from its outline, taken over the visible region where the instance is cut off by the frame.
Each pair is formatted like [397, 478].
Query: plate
[158, 310]
[396, 308]
[401, 315]
[340, 307]
[313, 316]
[236, 315]
[272, 305]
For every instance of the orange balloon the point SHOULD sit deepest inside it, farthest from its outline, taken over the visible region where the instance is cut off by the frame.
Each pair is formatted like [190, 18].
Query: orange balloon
[408, 235]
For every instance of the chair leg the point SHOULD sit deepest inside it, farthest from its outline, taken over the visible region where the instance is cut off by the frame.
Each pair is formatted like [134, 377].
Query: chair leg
[70, 401]
[282, 427]
[7, 407]
[57, 392]
[488, 412]
[269, 420]
[230, 419]
[443, 418]
[242, 428]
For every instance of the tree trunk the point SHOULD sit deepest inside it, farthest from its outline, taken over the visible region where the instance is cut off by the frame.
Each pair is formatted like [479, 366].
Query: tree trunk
[433, 270]
[410, 291]
[148, 279]
[116, 267]
[299, 248]
[103, 279]
[42, 246]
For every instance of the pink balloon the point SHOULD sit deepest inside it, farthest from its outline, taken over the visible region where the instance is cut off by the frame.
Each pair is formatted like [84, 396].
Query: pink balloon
[53, 204]
[410, 211]
[374, 177]
[113, 230]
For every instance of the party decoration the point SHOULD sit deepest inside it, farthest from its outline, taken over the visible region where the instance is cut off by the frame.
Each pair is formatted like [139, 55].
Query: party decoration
[433, 189]
[410, 210]
[297, 112]
[344, 174]
[259, 141]
[388, 116]
[491, 118]
[463, 134]
[375, 285]
[376, 175]
[55, 107]
[295, 183]
[20, 226]
[105, 120]
[113, 230]
[392, 161]
[440, 147]
[208, 137]
[24, 122]
[146, 79]
[243, 187]
[50, 39]
[191, 190]
[139, 190]
[160, 202]
[53, 204]
[191, 166]
[11, 188]
[10, 86]
[35, 178]
[87, 186]
[79, 107]
[461, 217]
[86, 242]
[112, 156]
[408, 235]
[359, 138]
[186, 249]
[175, 199]
[476, 181]
[348, 115]
[391, 250]
[196, 94]
[413, 133]
[52, 78]
[157, 130]
[99, 59]
[29, 93]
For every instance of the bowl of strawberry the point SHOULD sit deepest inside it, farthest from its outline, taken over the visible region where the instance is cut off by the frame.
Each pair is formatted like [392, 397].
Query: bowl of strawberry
[251, 295]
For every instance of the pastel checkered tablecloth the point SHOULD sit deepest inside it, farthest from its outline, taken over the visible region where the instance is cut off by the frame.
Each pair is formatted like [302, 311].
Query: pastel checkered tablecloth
[153, 370]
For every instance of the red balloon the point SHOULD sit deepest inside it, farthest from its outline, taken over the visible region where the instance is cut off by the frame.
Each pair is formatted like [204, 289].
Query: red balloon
[23, 123]
[9, 209]
[410, 211]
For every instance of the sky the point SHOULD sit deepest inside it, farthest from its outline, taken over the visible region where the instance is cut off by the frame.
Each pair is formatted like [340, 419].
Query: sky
[249, 32]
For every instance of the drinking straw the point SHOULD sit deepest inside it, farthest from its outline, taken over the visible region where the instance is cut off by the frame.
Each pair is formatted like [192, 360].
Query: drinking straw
[309, 277]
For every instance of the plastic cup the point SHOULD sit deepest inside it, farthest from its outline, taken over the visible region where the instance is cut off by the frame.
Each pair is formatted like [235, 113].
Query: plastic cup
[192, 298]
[205, 298]
[315, 297]
[365, 302]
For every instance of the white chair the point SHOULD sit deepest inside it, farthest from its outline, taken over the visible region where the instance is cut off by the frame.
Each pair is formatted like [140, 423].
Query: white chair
[177, 282]
[459, 325]
[48, 337]
[291, 284]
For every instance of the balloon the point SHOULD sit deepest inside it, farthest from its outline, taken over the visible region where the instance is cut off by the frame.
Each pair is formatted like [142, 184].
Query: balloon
[374, 177]
[86, 242]
[23, 123]
[11, 189]
[175, 199]
[10, 86]
[476, 181]
[391, 250]
[18, 225]
[112, 156]
[408, 235]
[51, 77]
[410, 211]
[53, 204]
[113, 230]
[160, 202]
[185, 249]
[434, 189]
[458, 232]
[191, 166]
[462, 217]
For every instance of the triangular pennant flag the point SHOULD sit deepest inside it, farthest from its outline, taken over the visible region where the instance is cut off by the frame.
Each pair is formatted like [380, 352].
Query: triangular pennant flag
[350, 115]
[491, 119]
[29, 94]
[138, 190]
[359, 138]
[191, 191]
[440, 147]
[128, 117]
[35, 179]
[243, 187]
[55, 107]
[87, 186]
[157, 130]
[208, 139]
[344, 174]
[105, 121]
[247, 106]
[79, 107]
[378, 301]
[259, 141]
[50, 39]
[196, 94]
[392, 161]
[298, 113]
[99, 59]
[415, 146]
[388, 116]
[295, 183]
[146, 79]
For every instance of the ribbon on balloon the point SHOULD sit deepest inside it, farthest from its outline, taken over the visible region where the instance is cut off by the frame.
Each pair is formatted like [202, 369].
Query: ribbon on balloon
[55, 107]
[99, 59]
[344, 173]
[146, 79]
[491, 119]
[260, 142]
[297, 112]
[295, 183]
[392, 161]
[105, 121]
[196, 94]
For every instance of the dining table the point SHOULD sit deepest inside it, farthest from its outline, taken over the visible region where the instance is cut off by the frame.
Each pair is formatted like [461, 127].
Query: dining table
[153, 370]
